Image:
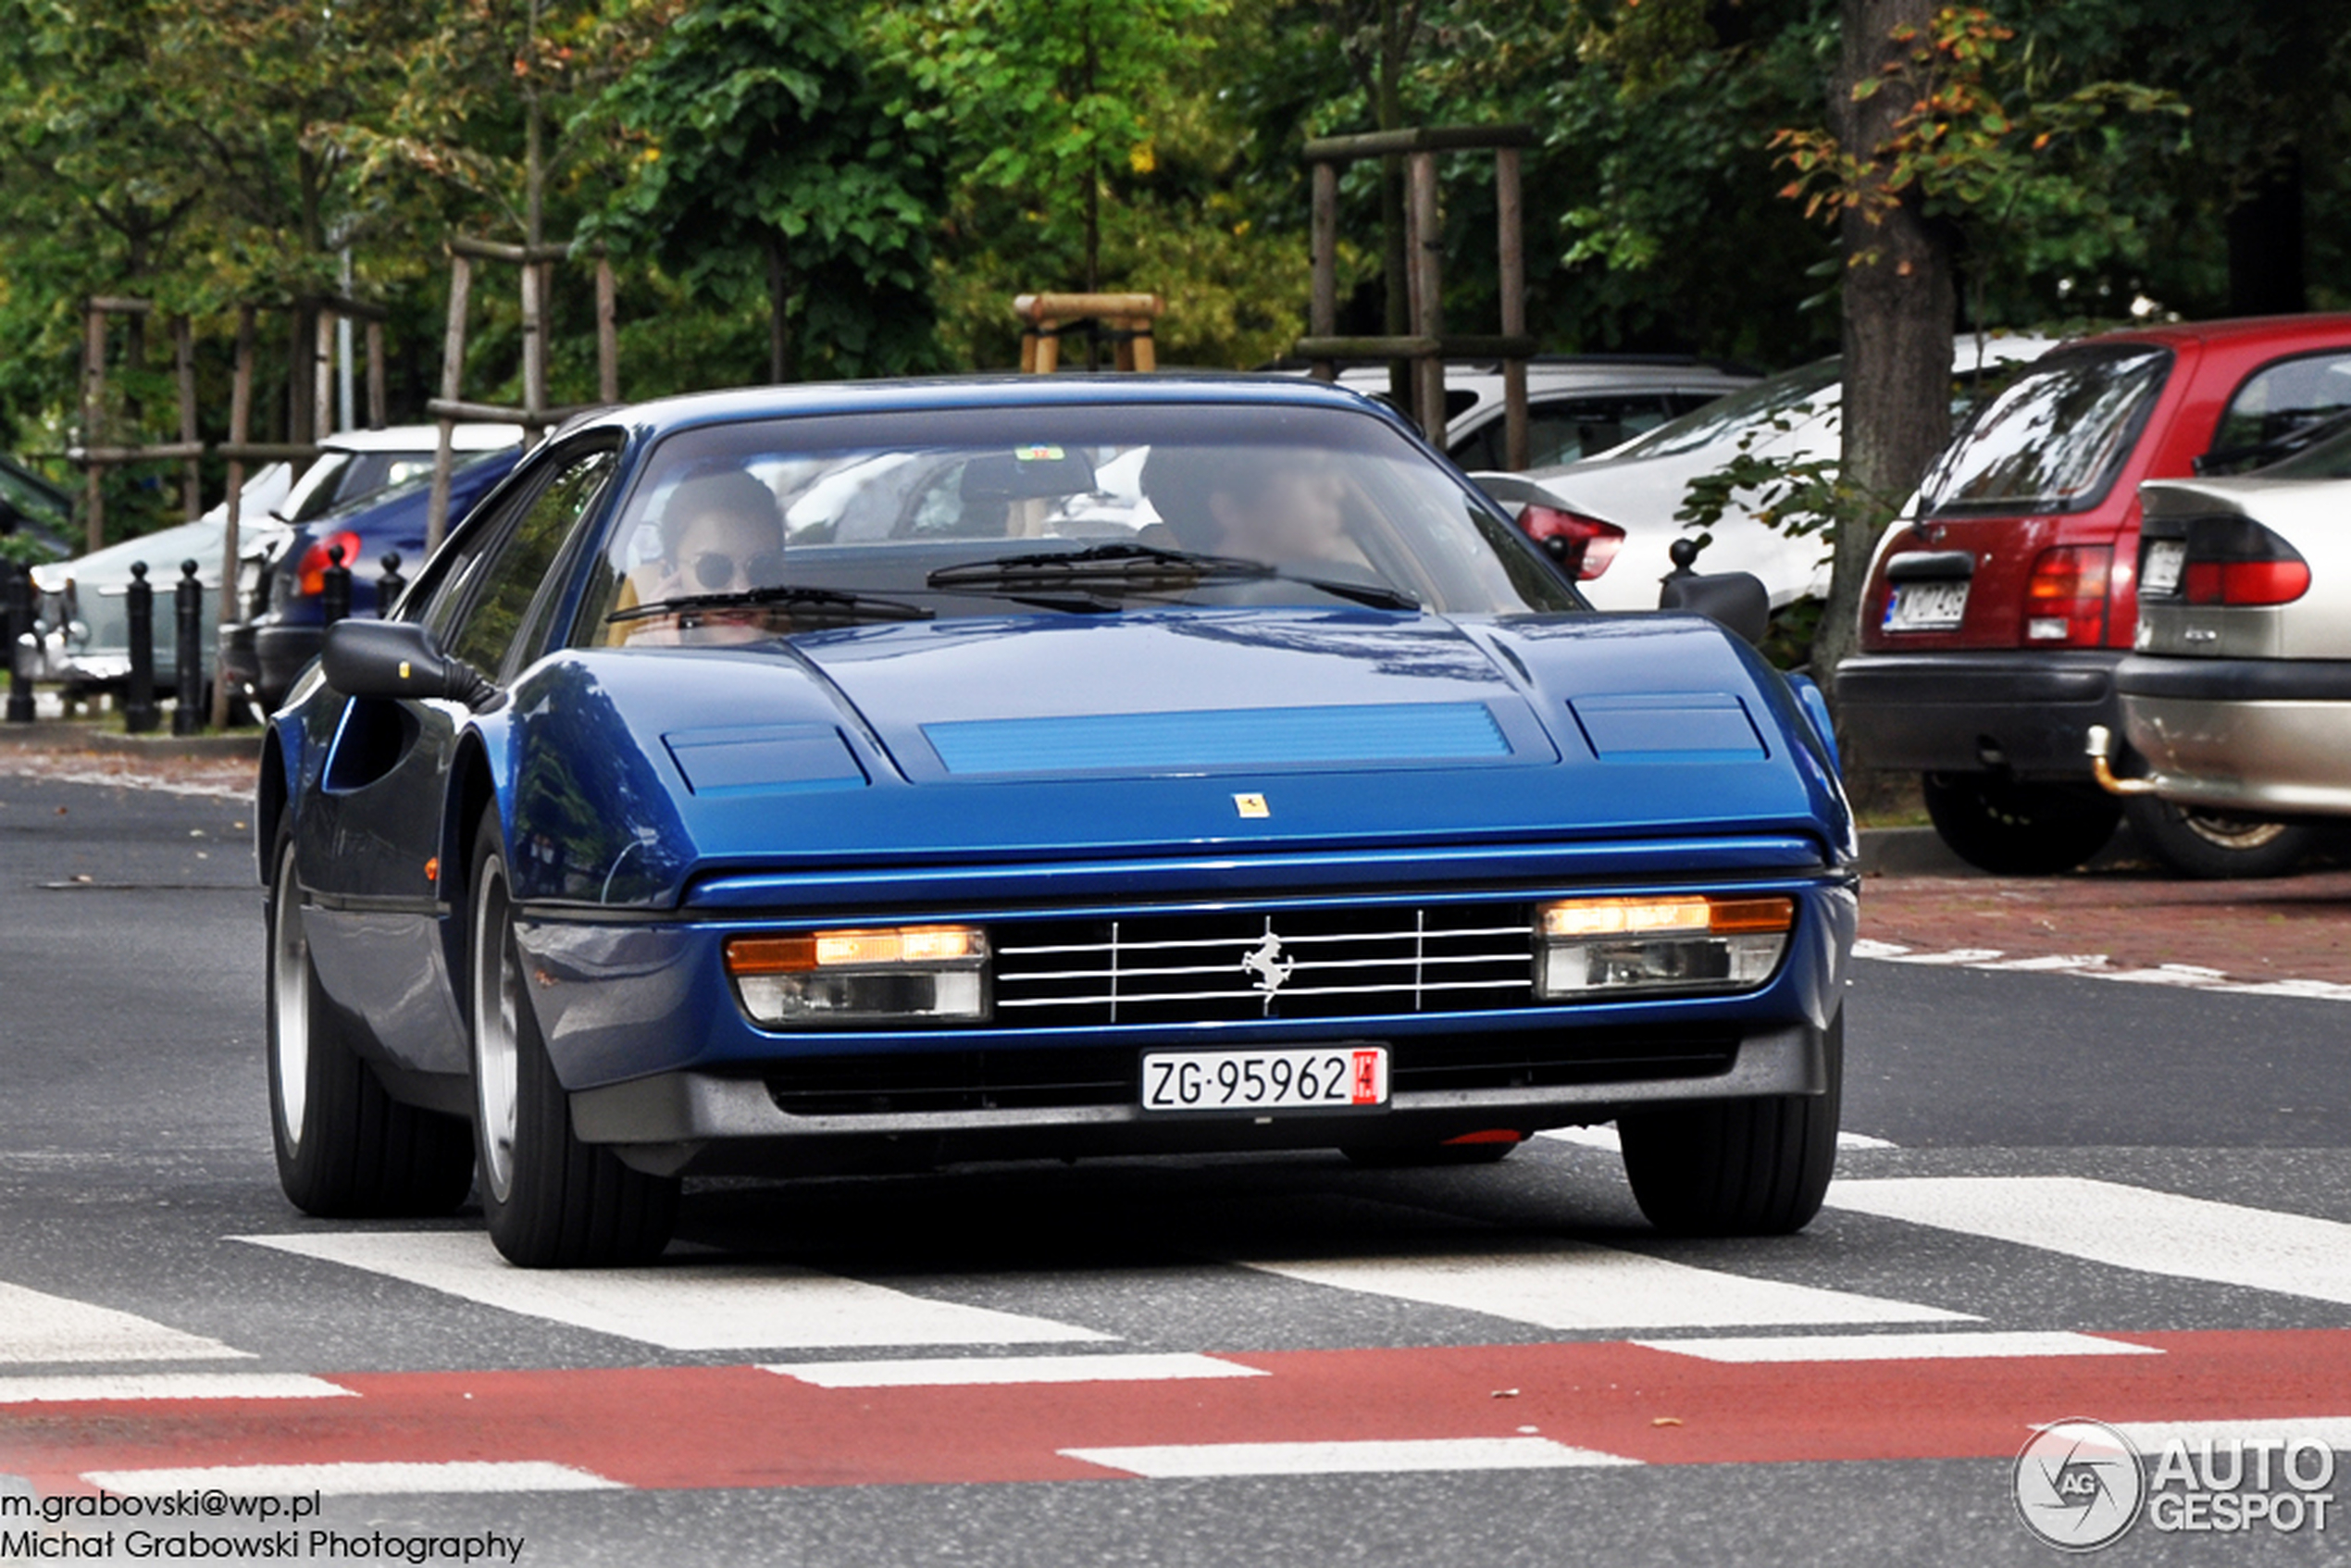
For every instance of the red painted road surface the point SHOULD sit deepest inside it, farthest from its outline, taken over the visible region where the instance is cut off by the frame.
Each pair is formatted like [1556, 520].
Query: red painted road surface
[683, 1427]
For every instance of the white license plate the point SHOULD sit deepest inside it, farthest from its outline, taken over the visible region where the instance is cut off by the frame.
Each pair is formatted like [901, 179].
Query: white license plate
[2161, 577]
[1926, 606]
[1329, 1077]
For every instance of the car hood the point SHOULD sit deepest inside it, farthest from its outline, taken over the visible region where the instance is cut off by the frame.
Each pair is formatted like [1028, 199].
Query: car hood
[1031, 738]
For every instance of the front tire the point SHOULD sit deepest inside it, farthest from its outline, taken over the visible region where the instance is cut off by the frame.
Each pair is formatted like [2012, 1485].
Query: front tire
[2011, 829]
[551, 1201]
[1737, 1168]
[345, 1148]
[2197, 842]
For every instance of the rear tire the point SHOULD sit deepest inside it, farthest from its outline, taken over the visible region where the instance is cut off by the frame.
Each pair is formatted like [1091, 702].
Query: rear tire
[1737, 1168]
[345, 1148]
[2010, 828]
[551, 1201]
[2195, 841]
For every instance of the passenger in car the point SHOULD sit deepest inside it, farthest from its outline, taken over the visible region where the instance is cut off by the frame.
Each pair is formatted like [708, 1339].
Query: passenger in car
[1259, 504]
[721, 533]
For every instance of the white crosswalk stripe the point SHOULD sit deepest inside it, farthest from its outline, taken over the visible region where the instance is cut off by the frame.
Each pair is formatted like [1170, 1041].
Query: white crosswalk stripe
[1955, 1345]
[56, 1388]
[355, 1479]
[699, 1305]
[2133, 1227]
[37, 1329]
[1181, 1461]
[1578, 1286]
[972, 1371]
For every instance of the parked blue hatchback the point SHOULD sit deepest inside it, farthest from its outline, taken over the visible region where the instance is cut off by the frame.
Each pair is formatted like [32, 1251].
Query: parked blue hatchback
[812, 778]
[286, 633]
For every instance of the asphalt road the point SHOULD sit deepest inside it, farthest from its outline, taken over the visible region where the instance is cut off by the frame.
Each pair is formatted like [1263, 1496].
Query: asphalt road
[2155, 1177]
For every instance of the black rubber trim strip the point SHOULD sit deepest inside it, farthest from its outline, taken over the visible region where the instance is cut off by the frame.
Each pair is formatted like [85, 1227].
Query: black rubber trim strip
[2235, 681]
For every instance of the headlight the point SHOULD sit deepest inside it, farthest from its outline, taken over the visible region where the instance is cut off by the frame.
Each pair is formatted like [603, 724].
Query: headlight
[1669, 943]
[895, 973]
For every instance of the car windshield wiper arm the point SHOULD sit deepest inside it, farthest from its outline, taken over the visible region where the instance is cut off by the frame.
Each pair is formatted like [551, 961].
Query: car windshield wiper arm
[1145, 565]
[864, 605]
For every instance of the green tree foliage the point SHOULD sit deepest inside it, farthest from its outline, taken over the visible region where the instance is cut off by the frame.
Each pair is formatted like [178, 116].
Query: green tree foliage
[773, 163]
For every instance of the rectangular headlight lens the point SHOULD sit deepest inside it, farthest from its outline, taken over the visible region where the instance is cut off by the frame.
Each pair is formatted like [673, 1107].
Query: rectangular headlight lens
[1667, 943]
[889, 974]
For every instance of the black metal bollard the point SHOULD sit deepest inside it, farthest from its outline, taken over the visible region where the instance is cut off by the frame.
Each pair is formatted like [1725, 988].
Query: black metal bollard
[188, 715]
[17, 624]
[389, 586]
[334, 592]
[139, 714]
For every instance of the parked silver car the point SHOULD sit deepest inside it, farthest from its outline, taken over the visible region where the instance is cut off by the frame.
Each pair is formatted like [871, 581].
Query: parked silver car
[1576, 404]
[1616, 511]
[2236, 700]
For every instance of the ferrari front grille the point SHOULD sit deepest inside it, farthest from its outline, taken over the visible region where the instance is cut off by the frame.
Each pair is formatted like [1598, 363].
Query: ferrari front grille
[1234, 965]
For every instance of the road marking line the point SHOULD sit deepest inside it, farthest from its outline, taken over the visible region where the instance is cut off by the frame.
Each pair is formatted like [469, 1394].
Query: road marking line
[685, 1306]
[1605, 1136]
[2335, 1431]
[168, 1385]
[39, 1328]
[960, 1371]
[1955, 1345]
[2132, 1227]
[1580, 1286]
[357, 1480]
[2098, 967]
[1174, 1461]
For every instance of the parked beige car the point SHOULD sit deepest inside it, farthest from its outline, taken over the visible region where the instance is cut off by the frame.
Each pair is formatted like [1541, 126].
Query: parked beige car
[2236, 700]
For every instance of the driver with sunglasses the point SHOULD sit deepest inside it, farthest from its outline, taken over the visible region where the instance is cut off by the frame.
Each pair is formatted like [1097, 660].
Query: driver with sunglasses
[721, 533]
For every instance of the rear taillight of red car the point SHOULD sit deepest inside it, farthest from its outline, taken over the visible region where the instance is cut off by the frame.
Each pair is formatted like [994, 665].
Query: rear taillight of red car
[2065, 598]
[342, 547]
[2236, 561]
[1585, 545]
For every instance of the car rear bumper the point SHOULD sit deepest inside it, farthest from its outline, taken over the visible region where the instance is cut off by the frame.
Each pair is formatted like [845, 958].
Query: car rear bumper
[2265, 736]
[2029, 714]
[280, 653]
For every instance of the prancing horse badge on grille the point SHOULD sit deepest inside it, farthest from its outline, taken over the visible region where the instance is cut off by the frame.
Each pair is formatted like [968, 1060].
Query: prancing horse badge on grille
[1270, 964]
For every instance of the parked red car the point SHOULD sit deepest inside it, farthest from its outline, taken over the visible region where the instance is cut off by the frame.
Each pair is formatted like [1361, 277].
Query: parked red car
[1993, 619]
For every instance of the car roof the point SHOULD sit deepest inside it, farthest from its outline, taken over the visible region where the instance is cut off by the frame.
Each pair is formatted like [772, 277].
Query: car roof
[2317, 330]
[413, 438]
[916, 395]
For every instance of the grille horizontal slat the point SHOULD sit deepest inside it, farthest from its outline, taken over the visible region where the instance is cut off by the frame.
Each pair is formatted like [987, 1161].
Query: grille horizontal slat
[1210, 967]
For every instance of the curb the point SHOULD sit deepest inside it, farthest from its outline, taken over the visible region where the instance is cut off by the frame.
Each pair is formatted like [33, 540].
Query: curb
[73, 737]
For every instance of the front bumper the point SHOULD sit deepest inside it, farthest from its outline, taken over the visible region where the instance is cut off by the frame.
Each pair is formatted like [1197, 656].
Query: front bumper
[2264, 736]
[2026, 712]
[641, 1025]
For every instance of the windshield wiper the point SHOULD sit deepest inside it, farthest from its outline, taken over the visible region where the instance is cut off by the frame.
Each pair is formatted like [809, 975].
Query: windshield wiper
[1144, 567]
[865, 606]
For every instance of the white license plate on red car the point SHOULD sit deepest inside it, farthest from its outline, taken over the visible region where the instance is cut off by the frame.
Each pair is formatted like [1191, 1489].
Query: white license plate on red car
[1926, 606]
[1328, 1077]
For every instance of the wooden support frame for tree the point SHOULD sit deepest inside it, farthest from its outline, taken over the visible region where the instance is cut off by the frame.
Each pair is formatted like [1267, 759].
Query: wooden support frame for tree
[537, 263]
[1126, 320]
[92, 454]
[1429, 345]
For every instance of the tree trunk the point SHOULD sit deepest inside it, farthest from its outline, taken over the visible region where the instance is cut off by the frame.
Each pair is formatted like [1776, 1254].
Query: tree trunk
[779, 356]
[1899, 310]
[1395, 266]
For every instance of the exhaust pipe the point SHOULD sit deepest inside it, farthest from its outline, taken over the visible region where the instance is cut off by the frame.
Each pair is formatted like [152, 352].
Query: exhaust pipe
[2100, 748]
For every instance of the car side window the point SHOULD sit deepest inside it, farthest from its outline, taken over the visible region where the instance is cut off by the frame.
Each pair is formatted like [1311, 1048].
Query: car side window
[2275, 402]
[509, 574]
[1565, 428]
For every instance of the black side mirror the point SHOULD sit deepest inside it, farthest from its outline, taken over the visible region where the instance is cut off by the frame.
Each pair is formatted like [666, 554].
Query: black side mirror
[398, 660]
[1737, 602]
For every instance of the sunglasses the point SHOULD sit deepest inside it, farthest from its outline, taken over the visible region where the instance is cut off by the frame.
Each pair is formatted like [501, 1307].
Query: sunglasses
[714, 569]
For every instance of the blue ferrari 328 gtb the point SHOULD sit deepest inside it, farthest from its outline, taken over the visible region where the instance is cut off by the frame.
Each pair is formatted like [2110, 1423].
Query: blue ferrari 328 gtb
[846, 776]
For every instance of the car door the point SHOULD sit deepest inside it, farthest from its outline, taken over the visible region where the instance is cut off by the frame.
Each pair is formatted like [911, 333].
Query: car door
[375, 830]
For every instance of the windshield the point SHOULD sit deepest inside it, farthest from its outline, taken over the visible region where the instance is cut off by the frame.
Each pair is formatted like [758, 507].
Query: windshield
[1790, 394]
[762, 528]
[2055, 440]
